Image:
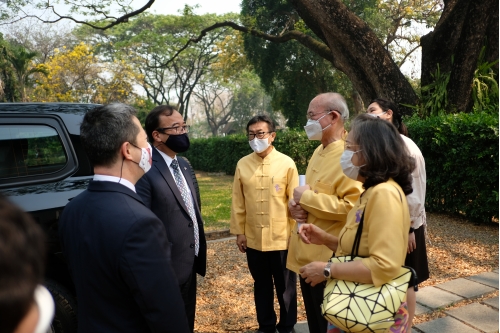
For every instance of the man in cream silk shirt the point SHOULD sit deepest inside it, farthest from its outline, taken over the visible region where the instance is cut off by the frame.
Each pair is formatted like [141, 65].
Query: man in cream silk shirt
[326, 198]
[263, 184]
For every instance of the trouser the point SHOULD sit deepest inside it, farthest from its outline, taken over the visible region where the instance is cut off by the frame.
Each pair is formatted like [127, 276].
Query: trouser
[188, 293]
[313, 297]
[264, 268]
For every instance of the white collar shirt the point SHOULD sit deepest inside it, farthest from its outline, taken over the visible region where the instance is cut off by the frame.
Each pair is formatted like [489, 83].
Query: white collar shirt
[113, 179]
[169, 160]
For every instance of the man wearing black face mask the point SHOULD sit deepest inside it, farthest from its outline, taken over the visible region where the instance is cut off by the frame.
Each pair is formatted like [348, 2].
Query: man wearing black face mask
[168, 190]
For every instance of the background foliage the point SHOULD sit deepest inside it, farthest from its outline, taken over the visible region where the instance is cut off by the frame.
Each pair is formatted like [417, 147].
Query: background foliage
[461, 155]
[221, 154]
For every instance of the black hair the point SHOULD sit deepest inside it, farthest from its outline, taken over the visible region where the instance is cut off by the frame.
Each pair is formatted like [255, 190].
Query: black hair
[22, 262]
[153, 119]
[384, 151]
[397, 120]
[262, 118]
[103, 131]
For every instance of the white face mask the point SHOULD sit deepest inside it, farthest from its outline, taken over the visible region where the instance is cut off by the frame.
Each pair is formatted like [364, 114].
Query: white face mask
[45, 305]
[313, 128]
[259, 145]
[350, 170]
[146, 158]
[376, 115]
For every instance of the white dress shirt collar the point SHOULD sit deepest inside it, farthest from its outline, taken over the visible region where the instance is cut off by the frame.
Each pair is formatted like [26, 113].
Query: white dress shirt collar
[167, 158]
[113, 179]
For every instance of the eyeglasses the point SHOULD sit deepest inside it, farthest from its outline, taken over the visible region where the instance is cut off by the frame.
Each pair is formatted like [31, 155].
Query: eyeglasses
[309, 115]
[348, 146]
[176, 129]
[259, 135]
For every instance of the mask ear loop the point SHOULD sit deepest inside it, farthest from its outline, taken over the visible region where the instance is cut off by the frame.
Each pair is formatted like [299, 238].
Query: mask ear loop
[161, 142]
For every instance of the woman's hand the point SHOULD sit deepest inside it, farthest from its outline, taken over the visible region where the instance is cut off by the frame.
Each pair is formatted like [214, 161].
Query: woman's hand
[412, 245]
[313, 273]
[311, 234]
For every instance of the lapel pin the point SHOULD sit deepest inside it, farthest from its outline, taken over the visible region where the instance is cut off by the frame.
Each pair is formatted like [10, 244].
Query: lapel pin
[185, 168]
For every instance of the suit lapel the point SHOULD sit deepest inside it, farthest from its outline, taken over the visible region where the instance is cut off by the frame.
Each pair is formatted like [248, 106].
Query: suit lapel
[164, 170]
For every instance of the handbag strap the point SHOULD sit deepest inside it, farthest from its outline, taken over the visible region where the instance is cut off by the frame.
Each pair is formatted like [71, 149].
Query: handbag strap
[357, 238]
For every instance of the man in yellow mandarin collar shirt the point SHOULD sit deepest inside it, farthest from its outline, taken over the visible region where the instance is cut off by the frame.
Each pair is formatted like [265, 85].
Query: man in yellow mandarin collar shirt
[326, 199]
[263, 185]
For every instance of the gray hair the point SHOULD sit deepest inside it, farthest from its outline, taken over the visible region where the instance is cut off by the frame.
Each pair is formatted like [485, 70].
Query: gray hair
[103, 131]
[335, 101]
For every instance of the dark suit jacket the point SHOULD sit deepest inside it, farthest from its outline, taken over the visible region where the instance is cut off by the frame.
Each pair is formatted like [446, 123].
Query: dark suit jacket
[160, 193]
[119, 258]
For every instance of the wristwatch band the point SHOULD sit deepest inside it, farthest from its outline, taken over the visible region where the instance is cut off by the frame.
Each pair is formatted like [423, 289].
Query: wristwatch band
[326, 271]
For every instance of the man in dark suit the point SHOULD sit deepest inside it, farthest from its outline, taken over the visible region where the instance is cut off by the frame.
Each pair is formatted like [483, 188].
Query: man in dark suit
[169, 192]
[117, 250]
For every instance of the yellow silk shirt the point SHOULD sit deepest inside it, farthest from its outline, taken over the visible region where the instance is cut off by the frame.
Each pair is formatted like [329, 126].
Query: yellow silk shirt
[331, 197]
[384, 239]
[261, 190]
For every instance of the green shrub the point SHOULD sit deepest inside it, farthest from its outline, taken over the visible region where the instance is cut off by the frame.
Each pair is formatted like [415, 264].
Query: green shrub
[221, 154]
[461, 156]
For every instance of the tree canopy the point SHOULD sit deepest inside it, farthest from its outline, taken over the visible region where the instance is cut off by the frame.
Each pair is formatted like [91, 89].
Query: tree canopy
[367, 40]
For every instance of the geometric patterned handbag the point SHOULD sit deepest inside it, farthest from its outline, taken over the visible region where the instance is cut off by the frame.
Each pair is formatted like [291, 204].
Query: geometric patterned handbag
[362, 307]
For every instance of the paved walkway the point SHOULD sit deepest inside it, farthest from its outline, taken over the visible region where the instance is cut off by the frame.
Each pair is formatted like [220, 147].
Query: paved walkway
[476, 317]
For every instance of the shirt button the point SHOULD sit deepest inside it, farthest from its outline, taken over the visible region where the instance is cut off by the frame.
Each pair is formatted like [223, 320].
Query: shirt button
[191, 246]
[190, 224]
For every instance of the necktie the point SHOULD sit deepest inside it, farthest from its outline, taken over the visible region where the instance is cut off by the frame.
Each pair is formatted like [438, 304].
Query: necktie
[188, 200]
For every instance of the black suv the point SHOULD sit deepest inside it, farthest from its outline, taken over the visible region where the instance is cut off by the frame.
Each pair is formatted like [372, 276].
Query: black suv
[42, 167]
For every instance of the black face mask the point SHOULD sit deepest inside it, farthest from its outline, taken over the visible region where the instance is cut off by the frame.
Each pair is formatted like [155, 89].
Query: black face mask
[178, 143]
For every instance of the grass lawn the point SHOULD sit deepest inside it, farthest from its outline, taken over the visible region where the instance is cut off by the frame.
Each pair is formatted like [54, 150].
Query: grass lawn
[215, 191]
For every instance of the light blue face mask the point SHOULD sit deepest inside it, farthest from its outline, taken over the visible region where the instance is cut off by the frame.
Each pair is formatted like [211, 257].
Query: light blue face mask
[349, 169]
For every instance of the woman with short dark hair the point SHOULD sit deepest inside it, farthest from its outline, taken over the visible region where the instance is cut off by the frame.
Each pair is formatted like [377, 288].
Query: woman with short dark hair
[375, 155]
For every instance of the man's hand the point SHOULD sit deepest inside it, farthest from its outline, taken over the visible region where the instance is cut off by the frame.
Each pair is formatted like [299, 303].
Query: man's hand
[241, 241]
[313, 272]
[297, 212]
[298, 191]
[412, 245]
[311, 234]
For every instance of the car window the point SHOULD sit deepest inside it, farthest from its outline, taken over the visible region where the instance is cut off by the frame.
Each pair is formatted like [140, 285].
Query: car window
[27, 150]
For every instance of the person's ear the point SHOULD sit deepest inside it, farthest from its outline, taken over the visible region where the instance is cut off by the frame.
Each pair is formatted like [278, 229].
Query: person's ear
[272, 136]
[335, 116]
[126, 150]
[390, 113]
[156, 136]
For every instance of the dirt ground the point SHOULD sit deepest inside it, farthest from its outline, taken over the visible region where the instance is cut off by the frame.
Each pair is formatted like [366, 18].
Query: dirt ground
[456, 248]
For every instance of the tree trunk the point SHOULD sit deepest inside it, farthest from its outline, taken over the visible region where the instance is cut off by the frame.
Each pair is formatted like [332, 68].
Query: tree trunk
[492, 38]
[459, 35]
[359, 106]
[468, 50]
[357, 51]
